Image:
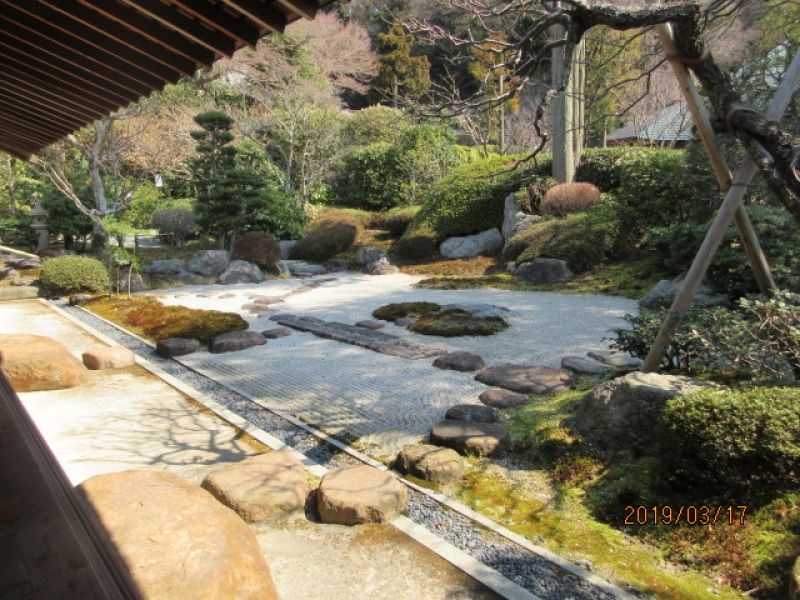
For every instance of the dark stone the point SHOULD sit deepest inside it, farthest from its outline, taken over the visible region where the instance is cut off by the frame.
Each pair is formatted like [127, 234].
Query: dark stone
[371, 324]
[620, 360]
[526, 380]
[380, 266]
[474, 413]
[503, 398]
[276, 332]
[175, 346]
[431, 463]
[579, 364]
[25, 263]
[336, 266]
[78, 299]
[235, 341]
[484, 439]
[544, 271]
[459, 361]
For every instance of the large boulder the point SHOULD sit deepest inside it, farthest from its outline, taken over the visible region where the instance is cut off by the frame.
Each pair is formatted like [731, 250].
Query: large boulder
[241, 271]
[300, 268]
[431, 463]
[663, 293]
[544, 271]
[177, 540]
[459, 361]
[526, 380]
[286, 247]
[466, 437]
[514, 219]
[235, 341]
[260, 486]
[175, 346]
[34, 363]
[486, 242]
[171, 267]
[108, 357]
[624, 412]
[380, 266]
[367, 254]
[360, 494]
[209, 263]
[134, 283]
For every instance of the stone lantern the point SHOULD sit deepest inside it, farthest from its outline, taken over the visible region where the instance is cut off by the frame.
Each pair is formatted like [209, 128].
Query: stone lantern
[38, 217]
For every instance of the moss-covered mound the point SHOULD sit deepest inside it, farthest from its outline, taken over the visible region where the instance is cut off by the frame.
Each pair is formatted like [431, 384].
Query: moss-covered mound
[392, 312]
[148, 317]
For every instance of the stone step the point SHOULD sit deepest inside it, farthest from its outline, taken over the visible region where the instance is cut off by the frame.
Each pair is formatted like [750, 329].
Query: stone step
[465, 437]
[526, 379]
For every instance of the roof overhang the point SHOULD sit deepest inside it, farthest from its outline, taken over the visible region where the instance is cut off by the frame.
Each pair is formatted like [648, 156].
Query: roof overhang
[66, 63]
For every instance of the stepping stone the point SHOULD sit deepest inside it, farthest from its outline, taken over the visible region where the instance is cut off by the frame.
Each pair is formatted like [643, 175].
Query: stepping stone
[484, 439]
[431, 463]
[579, 364]
[34, 363]
[459, 361]
[360, 494]
[276, 332]
[371, 324]
[107, 357]
[260, 487]
[474, 413]
[235, 341]
[526, 380]
[621, 360]
[175, 346]
[405, 321]
[503, 398]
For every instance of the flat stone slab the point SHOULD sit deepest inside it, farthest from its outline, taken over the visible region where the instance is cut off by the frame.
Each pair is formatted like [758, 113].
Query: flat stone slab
[175, 346]
[431, 463]
[474, 413]
[235, 341]
[34, 363]
[276, 332]
[484, 439]
[580, 364]
[459, 361]
[107, 357]
[360, 494]
[503, 398]
[371, 324]
[377, 341]
[619, 360]
[260, 487]
[526, 380]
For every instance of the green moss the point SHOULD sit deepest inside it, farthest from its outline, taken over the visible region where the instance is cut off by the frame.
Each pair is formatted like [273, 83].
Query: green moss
[456, 322]
[392, 312]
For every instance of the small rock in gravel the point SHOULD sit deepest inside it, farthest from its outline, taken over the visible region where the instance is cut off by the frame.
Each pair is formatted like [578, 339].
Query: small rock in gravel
[485, 439]
[474, 413]
[371, 324]
[78, 299]
[226, 296]
[459, 361]
[276, 332]
[431, 463]
[360, 494]
[526, 380]
[108, 357]
[579, 364]
[175, 346]
[503, 398]
[405, 321]
[235, 341]
[616, 359]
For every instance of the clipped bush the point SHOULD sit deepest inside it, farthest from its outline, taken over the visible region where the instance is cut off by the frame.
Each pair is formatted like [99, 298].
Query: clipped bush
[396, 220]
[567, 198]
[418, 243]
[257, 247]
[178, 223]
[69, 274]
[335, 232]
[734, 444]
[368, 177]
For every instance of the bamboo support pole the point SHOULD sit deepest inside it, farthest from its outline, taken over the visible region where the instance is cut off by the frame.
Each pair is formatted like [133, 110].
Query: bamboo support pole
[750, 243]
[723, 218]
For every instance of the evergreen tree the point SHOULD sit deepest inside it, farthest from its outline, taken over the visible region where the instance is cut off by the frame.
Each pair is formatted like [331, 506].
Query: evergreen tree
[227, 194]
[400, 73]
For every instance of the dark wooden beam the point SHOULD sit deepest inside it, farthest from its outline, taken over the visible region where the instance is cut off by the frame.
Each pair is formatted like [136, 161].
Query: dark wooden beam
[265, 15]
[302, 8]
[36, 111]
[13, 128]
[10, 148]
[215, 17]
[136, 22]
[32, 125]
[47, 97]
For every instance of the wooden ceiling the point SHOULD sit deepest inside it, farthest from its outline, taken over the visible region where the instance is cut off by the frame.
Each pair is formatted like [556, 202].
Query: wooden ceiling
[66, 63]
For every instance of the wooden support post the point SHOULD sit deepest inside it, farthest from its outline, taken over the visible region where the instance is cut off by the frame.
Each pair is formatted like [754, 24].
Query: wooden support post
[750, 243]
[722, 220]
[560, 121]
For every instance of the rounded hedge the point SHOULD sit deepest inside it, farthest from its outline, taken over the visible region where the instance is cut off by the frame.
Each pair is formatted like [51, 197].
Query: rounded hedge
[567, 198]
[335, 232]
[69, 274]
[396, 220]
[257, 247]
[734, 444]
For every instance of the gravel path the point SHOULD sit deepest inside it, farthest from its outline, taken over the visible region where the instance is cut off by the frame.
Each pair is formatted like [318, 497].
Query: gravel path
[535, 573]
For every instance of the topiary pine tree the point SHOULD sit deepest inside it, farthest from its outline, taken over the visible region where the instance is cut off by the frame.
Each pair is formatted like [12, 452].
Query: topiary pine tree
[227, 194]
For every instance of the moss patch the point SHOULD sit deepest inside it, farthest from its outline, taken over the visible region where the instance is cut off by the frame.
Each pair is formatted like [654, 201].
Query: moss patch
[149, 318]
[456, 322]
[392, 312]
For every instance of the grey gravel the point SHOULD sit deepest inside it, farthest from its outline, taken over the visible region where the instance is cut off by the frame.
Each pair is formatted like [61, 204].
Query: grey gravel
[533, 572]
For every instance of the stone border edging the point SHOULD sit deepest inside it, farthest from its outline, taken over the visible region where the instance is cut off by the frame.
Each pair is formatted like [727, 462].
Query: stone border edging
[471, 566]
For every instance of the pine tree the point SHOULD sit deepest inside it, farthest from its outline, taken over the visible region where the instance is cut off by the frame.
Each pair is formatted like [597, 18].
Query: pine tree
[400, 73]
[227, 194]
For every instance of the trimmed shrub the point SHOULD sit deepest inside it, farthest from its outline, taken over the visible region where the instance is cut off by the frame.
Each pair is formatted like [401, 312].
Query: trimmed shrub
[396, 220]
[335, 232]
[734, 444]
[605, 167]
[178, 223]
[567, 198]
[418, 243]
[368, 176]
[69, 274]
[257, 247]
